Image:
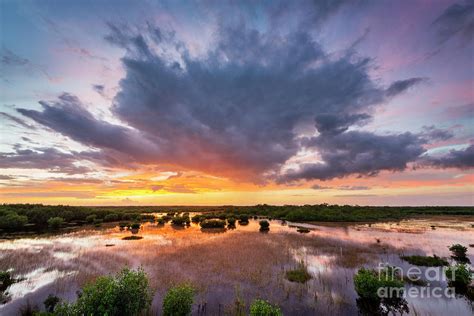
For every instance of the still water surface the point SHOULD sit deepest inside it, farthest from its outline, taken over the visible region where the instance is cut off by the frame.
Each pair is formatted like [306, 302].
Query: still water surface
[239, 264]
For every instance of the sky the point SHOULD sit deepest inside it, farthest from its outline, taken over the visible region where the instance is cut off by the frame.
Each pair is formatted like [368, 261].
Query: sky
[237, 102]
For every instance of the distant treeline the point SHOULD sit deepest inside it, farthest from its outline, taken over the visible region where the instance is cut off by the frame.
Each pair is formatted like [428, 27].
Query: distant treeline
[22, 217]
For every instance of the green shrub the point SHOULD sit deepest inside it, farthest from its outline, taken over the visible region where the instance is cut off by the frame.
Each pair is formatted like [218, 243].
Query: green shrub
[231, 221]
[51, 302]
[130, 216]
[160, 221]
[197, 218]
[459, 275]
[367, 283]
[243, 219]
[91, 218]
[98, 222]
[166, 218]
[263, 308]
[55, 222]
[178, 301]
[213, 223]
[459, 253]
[148, 217]
[111, 217]
[135, 226]
[6, 280]
[300, 275]
[425, 261]
[180, 220]
[124, 224]
[125, 294]
[264, 225]
[12, 221]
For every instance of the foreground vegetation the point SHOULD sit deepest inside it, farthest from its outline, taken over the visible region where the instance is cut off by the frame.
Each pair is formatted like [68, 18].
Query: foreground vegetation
[128, 294]
[38, 217]
[368, 284]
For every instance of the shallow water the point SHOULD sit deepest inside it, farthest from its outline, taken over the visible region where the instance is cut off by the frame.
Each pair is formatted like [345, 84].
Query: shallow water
[237, 264]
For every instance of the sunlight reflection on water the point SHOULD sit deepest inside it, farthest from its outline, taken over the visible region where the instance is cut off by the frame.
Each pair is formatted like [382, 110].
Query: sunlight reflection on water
[332, 252]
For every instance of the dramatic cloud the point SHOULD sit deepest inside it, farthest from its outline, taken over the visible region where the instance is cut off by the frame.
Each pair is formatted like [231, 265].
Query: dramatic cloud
[456, 20]
[360, 153]
[68, 116]
[235, 109]
[463, 159]
[43, 158]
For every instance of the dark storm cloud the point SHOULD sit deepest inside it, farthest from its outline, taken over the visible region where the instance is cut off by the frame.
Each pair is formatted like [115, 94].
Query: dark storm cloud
[462, 159]
[68, 116]
[43, 158]
[238, 106]
[456, 20]
[233, 111]
[359, 153]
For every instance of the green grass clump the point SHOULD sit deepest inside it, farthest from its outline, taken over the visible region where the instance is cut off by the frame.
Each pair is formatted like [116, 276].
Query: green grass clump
[264, 308]
[425, 261]
[300, 275]
[179, 300]
[132, 237]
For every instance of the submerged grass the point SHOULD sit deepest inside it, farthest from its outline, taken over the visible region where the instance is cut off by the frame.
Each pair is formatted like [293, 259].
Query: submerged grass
[300, 275]
[425, 261]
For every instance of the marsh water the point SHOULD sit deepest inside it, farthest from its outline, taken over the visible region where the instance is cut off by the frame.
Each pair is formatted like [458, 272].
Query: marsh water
[229, 268]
